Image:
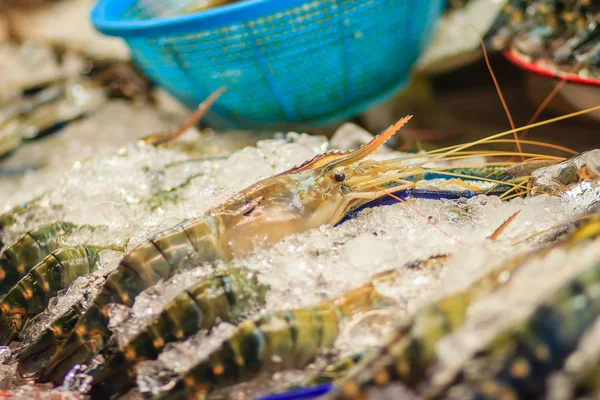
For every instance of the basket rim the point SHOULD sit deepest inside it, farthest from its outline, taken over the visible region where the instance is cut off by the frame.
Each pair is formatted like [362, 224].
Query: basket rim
[538, 70]
[104, 17]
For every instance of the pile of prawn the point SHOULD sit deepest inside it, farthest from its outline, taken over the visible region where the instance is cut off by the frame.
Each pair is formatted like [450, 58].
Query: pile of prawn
[322, 191]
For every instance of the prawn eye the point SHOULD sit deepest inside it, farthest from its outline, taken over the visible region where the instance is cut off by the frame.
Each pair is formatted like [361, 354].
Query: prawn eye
[339, 177]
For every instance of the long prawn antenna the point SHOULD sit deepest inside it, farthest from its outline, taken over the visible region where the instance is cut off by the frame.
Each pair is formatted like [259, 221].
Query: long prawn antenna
[503, 226]
[163, 138]
[415, 209]
[551, 95]
[459, 148]
[497, 85]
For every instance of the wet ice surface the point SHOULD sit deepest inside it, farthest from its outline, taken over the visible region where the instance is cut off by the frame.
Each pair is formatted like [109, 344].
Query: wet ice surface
[113, 190]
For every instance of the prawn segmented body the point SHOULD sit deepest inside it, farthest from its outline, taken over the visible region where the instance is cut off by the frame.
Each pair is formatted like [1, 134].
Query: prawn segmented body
[224, 296]
[140, 269]
[31, 295]
[587, 380]
[48, 111]
[275, 341]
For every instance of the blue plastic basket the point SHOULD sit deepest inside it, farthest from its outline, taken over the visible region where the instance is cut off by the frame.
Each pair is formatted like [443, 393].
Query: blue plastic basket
[285, 62]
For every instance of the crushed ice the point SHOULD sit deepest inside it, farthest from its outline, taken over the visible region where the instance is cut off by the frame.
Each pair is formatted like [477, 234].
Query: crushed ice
[113, 190]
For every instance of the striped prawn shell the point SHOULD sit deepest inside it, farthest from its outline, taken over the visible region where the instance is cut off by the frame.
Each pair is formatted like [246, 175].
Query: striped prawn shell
[31, 248]
[225, 296]
[31, 295]
[272, 342]
[141, 268]
[518, 361]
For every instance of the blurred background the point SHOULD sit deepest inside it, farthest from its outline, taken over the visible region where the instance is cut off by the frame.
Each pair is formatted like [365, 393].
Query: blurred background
[298, 66]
